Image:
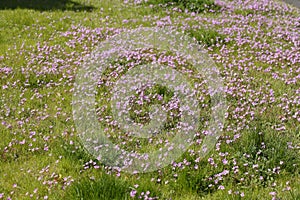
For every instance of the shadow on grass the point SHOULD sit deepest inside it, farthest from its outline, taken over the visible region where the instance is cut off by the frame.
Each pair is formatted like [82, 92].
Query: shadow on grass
[44, 5]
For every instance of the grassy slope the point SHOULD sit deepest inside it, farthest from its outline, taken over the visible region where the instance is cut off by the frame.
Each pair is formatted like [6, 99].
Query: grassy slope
[20, 31]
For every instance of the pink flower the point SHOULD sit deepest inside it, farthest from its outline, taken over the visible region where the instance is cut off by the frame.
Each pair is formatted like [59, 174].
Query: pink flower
[133, 193]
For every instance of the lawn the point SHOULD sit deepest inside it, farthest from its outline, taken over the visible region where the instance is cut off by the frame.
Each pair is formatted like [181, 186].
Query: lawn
[255, 46]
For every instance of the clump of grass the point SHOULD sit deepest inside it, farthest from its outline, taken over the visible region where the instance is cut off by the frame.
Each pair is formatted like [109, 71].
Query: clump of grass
[264, 154]
[197, 6]
[207, 37]
[244, 12]
[105, 187]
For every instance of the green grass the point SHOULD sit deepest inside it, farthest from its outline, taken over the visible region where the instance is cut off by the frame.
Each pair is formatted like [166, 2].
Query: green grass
[207, 37]
[190, 5]
[25, 24]
[94, 189]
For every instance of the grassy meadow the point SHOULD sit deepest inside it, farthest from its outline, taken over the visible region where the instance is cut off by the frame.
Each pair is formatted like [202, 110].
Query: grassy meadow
[255, 46]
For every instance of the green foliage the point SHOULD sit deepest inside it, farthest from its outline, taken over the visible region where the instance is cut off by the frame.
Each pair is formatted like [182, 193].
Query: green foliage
[197, 6]
[105, 187]
[207, 37]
